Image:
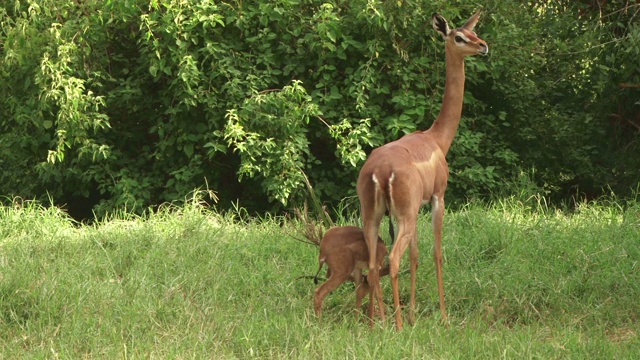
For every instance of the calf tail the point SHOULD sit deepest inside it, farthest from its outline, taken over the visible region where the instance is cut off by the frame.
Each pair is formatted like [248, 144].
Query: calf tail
[315, 278]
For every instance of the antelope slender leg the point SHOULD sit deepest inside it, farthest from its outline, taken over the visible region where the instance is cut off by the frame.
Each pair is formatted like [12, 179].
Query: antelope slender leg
[405, 234]
[373, 277]
[372, 211]
[437, 217]
[413, 258]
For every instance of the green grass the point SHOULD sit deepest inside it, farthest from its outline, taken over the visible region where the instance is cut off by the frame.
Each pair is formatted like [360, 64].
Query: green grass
[187, 283]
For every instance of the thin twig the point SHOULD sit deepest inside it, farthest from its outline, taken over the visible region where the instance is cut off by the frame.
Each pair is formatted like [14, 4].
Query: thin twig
[306, 240]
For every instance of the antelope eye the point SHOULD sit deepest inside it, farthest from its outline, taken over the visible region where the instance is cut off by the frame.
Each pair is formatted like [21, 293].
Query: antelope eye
[459, 38]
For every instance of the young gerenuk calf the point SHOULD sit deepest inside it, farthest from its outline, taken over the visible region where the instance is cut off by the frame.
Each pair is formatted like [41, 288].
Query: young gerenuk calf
[345, 252]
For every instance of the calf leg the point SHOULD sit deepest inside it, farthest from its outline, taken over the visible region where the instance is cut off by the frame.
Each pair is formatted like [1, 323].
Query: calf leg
[341, 266]
[362, 289]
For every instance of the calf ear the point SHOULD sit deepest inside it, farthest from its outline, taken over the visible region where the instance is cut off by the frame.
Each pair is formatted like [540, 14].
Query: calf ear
[441, 25]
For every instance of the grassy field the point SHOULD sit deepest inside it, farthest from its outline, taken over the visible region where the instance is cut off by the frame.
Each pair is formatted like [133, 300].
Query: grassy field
[521, 282]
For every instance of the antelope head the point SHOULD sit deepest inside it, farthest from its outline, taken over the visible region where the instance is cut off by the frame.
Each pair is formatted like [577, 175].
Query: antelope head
[462, 40]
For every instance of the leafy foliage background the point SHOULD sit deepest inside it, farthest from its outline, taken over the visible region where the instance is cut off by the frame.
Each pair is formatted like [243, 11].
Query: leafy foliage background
[112, 104]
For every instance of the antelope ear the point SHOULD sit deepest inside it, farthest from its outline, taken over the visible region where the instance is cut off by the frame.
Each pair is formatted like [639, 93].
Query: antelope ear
[441, 25]
[473, 20]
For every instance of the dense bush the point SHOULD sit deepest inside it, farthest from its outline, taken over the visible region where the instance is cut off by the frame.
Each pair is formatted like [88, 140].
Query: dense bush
[134, 103]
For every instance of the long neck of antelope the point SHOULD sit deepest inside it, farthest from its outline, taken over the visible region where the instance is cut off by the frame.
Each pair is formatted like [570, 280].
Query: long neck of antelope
[446, 124]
